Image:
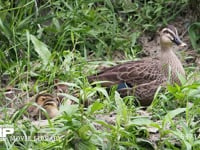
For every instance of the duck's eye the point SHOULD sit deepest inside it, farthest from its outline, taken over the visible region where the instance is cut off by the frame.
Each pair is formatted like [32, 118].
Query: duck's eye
[175, 39]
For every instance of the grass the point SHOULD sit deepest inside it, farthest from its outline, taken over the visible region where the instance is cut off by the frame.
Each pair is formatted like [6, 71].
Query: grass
[43, 41]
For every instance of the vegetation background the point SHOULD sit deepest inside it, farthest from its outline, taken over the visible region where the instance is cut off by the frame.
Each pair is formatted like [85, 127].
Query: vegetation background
[66, 40]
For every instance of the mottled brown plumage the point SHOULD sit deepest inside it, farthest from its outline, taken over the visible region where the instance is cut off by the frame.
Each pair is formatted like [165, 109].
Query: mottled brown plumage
[46, 101]
[142, 78]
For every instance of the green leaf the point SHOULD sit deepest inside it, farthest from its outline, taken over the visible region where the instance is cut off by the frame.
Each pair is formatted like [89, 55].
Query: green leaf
[141, 121]
[194, 93]
[83, 132]
[95, 107]
[174, 113]
[181, 78]
[195, 35]
[196, 143]
[134, 37]
[69, 109]
[72, 37]
[110, 5]
[85, 145]
[70, 97]
[183, 138]
[103, 91]
[171, 114]
[5, 30]
[41, 49]
[122, 110]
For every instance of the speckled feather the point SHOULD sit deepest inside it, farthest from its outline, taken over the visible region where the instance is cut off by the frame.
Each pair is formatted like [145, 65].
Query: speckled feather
[138, 75]
[133, 73]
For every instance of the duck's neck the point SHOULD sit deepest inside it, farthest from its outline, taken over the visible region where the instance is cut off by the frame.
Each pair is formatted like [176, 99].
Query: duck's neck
[171, 64]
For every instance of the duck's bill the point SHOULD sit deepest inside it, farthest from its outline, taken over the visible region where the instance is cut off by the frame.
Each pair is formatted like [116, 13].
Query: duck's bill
[183, 44]
[178, 42]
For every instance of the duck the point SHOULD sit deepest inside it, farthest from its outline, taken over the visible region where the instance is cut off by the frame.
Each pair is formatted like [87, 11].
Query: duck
[142, 78]
[48, 102]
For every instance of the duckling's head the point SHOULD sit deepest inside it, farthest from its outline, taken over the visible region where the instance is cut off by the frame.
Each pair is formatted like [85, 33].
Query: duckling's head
[168, 36]
[48, 102]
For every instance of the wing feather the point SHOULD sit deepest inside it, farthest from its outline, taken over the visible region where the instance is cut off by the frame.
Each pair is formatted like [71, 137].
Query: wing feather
[133, 73]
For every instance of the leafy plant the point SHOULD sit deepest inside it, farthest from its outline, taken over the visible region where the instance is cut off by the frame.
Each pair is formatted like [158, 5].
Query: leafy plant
[194, 33]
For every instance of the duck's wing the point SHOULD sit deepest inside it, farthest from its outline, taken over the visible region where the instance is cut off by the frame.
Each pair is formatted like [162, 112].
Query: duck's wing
[131, 73]
[143, 92]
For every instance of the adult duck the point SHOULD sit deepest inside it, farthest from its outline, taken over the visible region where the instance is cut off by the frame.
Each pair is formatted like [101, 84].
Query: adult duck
[142, 78]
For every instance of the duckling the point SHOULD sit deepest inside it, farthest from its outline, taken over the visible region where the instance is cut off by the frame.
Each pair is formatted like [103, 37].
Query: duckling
[46, 101]
[142, 78]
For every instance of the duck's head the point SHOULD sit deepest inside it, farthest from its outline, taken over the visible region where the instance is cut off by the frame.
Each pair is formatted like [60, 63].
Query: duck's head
[169, 35]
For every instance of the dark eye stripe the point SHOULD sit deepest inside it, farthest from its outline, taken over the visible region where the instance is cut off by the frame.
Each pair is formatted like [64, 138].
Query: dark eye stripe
[169, 32]
[50, 104]
[173, 29]
[51, 101]
[42, 97]
[47, 100]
